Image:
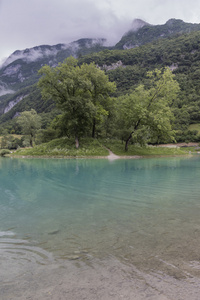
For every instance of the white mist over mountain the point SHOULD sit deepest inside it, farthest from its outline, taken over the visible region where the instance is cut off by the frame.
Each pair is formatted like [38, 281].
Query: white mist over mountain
[137, 24]
[26, 24]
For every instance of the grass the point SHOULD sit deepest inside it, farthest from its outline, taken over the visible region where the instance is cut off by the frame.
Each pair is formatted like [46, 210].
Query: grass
[118, 148]
[65, 147]
[4, 152]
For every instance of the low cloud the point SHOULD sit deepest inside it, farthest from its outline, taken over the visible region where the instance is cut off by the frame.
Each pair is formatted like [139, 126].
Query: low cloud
[30, 23]
[29, 55]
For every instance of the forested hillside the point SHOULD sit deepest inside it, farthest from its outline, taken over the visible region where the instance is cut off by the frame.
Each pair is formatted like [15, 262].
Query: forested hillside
[128, 68]
[181, 54]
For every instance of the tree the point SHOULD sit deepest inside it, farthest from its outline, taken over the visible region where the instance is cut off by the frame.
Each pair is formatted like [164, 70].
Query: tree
[147, 110]
[100, 90]
[29, 122]
[80, 92]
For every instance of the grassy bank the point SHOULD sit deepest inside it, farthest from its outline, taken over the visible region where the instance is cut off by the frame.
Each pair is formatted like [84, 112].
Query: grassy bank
[118, 148]
[65, 147]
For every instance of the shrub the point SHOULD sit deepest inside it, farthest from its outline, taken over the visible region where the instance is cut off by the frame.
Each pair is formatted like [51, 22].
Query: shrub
[3, 152]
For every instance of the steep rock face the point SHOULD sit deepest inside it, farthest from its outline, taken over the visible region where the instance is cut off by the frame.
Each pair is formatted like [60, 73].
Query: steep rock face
[12, 103]
[113, 66]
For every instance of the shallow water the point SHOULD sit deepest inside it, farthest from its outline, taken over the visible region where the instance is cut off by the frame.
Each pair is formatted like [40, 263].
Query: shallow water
[139, 216]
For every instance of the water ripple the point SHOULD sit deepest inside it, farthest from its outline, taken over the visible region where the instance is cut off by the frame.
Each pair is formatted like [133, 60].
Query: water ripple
[22, 250]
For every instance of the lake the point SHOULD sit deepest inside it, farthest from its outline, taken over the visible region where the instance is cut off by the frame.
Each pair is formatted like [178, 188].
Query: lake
[100, 229]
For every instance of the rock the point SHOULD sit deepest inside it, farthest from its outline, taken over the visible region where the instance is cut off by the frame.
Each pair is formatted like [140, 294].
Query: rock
[74, 257]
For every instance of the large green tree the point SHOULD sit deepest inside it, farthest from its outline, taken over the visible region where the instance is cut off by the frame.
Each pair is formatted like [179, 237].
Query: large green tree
[146, 112]
[81, 92]
[29, 122]
[100, 90]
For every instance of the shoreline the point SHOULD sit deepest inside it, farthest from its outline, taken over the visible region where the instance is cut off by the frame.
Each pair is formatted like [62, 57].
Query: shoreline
[77, 157]
[111, 156]
[101, 157]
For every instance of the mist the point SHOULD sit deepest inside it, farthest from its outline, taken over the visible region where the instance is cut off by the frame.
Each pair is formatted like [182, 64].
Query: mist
[32, 23]
[26, 24]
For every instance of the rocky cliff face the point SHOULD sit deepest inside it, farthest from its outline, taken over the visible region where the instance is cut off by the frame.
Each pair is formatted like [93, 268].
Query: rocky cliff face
[12, 103]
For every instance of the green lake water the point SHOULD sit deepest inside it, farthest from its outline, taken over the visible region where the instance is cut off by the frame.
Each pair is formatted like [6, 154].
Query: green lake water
[143, 214]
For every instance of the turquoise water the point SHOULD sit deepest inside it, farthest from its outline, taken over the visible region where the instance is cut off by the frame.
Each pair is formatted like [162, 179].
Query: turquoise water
[143, 212]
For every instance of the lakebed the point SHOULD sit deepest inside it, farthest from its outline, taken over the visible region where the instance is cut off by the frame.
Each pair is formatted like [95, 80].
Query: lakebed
[100, 229]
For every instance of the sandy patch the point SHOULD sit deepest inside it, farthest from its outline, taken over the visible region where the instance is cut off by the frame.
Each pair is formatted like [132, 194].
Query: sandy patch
[107, 280]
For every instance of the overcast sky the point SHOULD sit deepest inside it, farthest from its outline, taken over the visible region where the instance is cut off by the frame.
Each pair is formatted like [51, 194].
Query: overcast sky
[29, 23]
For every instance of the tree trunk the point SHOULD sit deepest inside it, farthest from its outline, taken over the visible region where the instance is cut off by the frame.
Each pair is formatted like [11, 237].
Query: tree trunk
[93, 128]
[130, 136]
[31, 140]
[127, 141]
[76, 143]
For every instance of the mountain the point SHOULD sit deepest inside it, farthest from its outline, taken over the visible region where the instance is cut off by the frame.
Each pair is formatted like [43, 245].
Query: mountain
[20, 68]
[175, 44]
[142, 33]
[19, 73]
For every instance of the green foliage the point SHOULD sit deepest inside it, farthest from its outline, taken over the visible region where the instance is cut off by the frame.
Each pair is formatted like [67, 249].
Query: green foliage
[30, 99]
[46, 135]
[181, 53]
[81, 92]
[4, 152]
[23, 72]
[187, 136]
[136, 150]
[64, 147]
[89, 147]
[195, 127]
[11, 142]
[146, 112]
[30, 122]
[126, 78]
[99, 91]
